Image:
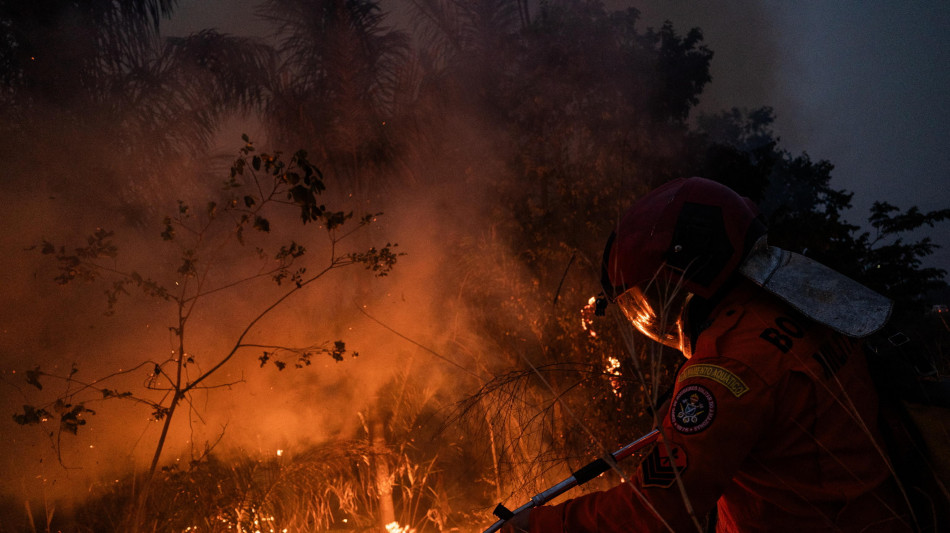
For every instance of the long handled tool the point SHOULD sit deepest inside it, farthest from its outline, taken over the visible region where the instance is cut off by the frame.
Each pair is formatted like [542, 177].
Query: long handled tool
[585, 474]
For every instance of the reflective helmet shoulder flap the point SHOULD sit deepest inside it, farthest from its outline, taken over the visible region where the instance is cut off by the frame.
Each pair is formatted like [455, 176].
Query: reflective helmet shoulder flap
[695, 230]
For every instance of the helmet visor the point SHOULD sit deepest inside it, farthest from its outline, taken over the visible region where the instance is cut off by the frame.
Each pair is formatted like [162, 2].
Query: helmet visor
[657, 311]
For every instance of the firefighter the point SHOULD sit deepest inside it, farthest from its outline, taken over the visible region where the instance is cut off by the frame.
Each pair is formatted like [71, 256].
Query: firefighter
[772, 421]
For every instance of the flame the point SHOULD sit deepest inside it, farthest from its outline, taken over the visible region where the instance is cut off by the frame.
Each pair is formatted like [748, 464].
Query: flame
[613, 366]
[260, 525]
[587, 316]
[613, 370]
[394, 527]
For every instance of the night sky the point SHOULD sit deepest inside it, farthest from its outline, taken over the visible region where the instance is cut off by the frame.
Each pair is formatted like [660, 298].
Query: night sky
[861, 84]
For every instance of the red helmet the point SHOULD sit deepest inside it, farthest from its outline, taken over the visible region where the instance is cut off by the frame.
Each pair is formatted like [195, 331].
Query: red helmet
[692, 231]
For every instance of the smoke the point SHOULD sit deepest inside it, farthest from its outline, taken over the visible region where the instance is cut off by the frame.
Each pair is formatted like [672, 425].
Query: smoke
[69, 186]
[405, 324]
[744, 38]
[860, 86]
[439, 209]
[412, 324]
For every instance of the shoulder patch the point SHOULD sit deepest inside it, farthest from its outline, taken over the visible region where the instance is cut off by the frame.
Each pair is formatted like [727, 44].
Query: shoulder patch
[693, 409]
[660, 467]
[718, 374]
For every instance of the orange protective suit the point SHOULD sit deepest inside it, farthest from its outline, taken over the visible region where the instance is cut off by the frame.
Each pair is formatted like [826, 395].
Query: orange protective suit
[774, 418]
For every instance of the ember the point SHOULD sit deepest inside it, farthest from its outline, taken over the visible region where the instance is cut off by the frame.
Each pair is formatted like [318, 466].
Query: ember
[613, 370]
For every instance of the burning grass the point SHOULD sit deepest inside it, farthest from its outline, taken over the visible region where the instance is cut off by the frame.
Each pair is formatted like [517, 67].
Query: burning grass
[326, 487]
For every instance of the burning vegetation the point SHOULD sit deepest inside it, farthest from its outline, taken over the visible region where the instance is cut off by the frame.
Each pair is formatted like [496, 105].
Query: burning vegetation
[179, 343]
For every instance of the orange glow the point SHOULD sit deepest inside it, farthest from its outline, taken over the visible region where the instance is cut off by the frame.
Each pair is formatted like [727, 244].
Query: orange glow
[658, 318]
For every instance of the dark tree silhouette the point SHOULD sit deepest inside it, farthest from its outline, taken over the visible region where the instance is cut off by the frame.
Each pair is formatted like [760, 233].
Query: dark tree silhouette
[100, 72]
[807, 215]
[339, 81]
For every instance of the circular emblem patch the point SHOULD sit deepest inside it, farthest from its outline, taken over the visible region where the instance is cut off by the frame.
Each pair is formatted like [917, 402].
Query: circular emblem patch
[693, 409]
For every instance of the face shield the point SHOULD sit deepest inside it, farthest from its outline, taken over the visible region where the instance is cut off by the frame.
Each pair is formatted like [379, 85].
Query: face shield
[658, 311]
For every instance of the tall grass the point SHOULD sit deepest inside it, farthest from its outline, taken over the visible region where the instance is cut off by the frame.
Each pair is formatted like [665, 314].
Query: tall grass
[325, 487]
